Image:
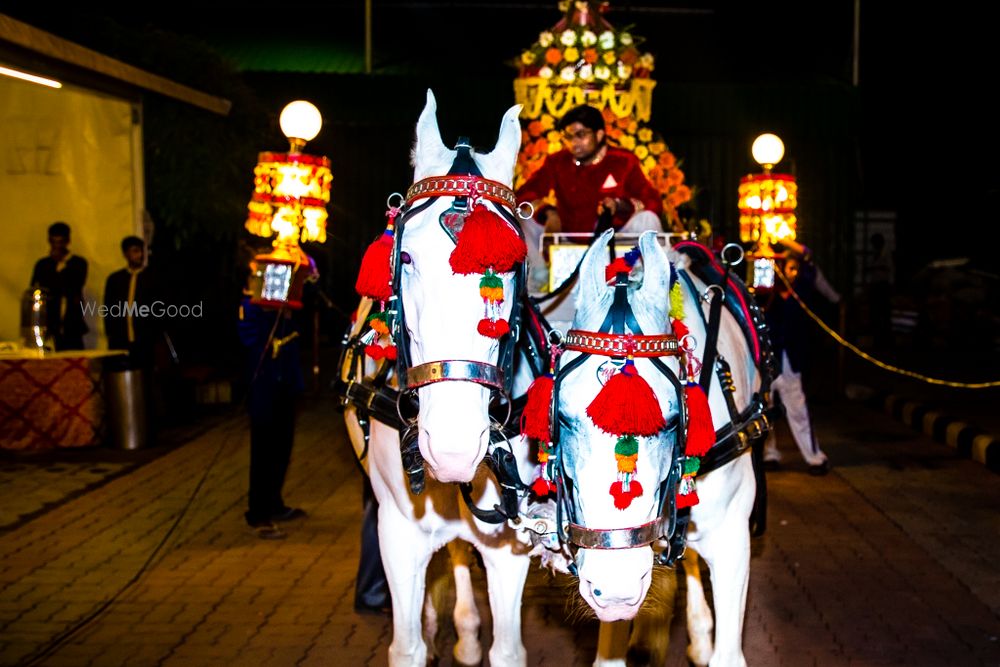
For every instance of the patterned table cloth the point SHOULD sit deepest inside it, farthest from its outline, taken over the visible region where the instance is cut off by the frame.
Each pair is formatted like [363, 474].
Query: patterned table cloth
[52, 401]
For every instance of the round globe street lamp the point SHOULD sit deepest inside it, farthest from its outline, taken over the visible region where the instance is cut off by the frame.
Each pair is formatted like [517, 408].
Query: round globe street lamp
[291, 192]
[767, 203]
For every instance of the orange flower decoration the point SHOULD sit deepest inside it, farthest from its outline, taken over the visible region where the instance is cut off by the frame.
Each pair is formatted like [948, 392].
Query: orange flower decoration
[553, 56]
[667, 160]
[535, 128]
[590, 56]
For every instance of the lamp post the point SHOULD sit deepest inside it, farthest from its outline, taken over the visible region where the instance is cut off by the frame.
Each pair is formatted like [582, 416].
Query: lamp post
[291, 191]
[767, 203]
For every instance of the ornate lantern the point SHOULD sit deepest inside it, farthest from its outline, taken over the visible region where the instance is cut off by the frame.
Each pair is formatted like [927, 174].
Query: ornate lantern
[767, 204]
[291, 191]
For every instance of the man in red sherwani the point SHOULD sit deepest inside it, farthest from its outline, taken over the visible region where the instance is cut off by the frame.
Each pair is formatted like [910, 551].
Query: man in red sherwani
[591, 181]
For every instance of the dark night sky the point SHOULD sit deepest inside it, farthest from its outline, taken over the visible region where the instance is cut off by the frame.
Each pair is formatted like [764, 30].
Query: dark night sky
[928, 137]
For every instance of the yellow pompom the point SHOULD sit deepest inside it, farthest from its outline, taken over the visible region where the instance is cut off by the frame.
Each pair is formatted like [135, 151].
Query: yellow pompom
[676, 302]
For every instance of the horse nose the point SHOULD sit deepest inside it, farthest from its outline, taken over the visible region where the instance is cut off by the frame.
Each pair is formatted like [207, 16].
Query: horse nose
[451, 457]
[613, 598]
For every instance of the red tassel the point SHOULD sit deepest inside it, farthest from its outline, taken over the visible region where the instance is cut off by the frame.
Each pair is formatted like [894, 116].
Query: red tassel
[375, 276]
[687, 500]
[376, 352]
[627, 404]
[486, 242]
[535, 418]
[701, 431]
[616, 267]
[493, 329]
[624, 498]
[542, 487]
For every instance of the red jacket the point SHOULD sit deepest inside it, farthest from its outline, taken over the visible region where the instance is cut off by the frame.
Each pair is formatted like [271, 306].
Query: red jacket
[580, 188]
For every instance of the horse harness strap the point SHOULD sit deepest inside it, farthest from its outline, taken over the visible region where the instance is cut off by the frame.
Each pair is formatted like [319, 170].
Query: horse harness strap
[616, 538]
[455, 370]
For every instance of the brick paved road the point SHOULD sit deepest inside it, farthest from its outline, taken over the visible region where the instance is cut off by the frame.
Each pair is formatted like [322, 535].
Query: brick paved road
[892, 559]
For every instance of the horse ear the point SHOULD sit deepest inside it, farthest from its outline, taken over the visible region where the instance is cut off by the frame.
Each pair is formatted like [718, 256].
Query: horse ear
[499, 163]
[592, 282]
[429, 148]
[655, 268]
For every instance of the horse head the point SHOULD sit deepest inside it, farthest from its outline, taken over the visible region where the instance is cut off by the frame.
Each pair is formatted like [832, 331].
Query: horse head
[614, 481]
[454, 313]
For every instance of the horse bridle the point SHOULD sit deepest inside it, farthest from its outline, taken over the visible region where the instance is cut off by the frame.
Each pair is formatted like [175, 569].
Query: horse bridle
[612, 340]
[464, 182]
[466, 185]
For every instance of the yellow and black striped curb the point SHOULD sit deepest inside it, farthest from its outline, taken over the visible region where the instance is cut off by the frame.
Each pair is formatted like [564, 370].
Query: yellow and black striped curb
[966, 439]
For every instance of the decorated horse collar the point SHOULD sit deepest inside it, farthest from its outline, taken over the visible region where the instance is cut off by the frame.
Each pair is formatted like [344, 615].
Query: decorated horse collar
[472, 186]
[622, 345]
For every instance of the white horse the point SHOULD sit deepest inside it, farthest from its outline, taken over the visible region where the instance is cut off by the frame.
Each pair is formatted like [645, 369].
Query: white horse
[614, 581]
[442, 310]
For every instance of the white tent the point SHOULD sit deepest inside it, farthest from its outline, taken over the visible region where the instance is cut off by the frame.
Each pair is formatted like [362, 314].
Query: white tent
[71, 154]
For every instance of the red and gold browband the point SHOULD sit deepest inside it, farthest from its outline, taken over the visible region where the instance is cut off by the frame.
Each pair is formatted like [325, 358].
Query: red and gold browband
[622, 345]
[462, 186]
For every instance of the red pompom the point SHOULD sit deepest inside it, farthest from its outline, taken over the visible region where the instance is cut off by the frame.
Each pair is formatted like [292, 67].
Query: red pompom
[616, 267]
[493, 329]
[624, 498]
[486, 242]
[374, 351]
[542, 487]
[535, 418]
[687, 500]
[391, 353]
[701, 432]
[375, 276]
[627, 405]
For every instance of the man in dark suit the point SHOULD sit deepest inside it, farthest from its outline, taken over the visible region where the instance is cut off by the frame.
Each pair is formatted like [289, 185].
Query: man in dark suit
[125, 291]
[62, 275]
[274, 372]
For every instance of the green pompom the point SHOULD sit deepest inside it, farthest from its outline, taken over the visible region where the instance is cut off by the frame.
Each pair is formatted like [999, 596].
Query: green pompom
[490, 279]
[627, 445]
[691, 465]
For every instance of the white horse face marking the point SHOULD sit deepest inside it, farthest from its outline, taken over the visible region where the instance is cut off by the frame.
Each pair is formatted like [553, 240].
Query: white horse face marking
[443, 309]
[614, 582]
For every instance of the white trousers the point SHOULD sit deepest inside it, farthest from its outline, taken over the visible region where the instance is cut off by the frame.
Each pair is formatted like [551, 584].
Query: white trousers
[538, 270]
[789, 385]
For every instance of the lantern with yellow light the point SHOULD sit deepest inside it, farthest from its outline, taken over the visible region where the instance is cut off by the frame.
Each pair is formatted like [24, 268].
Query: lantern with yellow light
[767, 203]
[291, 191]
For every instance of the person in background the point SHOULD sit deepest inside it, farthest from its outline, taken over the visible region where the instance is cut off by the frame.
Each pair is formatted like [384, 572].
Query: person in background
[62, 275]
[596, 186]
[371, 587]
[124, 292]
[880, 292]
[788, 325]
[271, 339]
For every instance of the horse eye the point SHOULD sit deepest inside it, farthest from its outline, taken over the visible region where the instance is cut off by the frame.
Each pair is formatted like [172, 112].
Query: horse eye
[404, 257]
